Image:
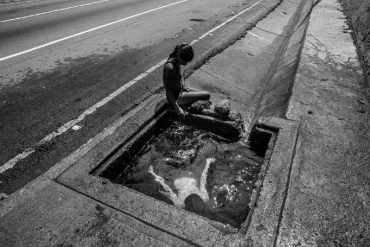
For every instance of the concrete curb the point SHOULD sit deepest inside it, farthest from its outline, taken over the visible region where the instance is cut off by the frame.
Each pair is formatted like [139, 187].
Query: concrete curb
[266, 218]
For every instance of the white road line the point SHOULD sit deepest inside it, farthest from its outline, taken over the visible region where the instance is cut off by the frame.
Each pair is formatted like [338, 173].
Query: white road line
[87, 31]
[52, 11]
[70, 124]
[224, 23]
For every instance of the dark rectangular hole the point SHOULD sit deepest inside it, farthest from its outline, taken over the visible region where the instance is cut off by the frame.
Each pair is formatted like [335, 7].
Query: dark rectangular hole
[259, 139]
[192, 168]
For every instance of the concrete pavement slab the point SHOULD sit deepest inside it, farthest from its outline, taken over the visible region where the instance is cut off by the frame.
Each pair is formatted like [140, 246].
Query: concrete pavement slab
[58, 216]
[328, 203]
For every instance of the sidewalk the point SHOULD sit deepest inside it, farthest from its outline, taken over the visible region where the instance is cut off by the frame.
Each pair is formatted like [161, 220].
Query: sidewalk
[328, 201]
[324, 198]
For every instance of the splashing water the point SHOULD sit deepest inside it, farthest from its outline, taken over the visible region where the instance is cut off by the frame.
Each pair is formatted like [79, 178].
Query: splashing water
[193, 169]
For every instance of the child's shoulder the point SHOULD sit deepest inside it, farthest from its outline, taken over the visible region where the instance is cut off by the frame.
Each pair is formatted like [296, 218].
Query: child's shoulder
[169, 65]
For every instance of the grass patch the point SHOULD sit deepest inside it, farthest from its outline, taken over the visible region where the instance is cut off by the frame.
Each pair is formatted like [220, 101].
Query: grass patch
[358, 16]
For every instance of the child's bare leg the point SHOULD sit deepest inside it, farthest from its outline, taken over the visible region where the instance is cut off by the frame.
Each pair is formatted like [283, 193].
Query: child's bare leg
[167, 189]
[203, 179]
[188, 98]
[190, 89]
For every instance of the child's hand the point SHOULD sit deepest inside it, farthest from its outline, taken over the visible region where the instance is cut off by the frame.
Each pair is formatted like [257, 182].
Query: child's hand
[181, 114]
[186, 89]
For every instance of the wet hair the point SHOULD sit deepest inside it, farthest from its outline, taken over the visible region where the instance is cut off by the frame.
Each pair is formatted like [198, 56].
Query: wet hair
[184, 51]
[195, 204]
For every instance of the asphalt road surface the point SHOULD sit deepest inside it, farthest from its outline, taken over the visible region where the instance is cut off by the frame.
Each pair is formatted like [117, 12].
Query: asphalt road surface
[61, 60]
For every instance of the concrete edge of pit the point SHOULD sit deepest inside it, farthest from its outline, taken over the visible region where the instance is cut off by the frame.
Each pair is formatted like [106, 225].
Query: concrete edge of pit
[266, 217]
[188, 226]
[92, 153]
[81, 177]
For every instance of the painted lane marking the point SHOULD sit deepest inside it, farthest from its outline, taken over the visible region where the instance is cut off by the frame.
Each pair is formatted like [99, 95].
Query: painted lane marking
[87, 31]
[224, 23]
[52, 11]
[11, 163]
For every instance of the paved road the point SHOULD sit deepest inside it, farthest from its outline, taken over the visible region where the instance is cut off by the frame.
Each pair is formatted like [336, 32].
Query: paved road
[74, 29]
[60, 59]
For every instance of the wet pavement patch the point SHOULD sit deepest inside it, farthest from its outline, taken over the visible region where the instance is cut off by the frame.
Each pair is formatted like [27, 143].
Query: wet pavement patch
[198, 20]
[193, 169]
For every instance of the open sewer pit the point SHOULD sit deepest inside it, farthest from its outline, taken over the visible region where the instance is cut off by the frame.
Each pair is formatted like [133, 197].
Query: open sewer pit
[194, 169]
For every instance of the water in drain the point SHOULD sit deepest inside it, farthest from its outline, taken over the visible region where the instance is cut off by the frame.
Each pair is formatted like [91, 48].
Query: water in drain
[192, 169]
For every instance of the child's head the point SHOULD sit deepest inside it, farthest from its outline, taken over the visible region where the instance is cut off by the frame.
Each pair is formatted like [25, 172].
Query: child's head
[184, 53]
[195, 204]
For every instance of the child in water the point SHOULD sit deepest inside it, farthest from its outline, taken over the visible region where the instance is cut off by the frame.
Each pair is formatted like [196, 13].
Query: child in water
[173, 80]
[193, 196]
[185, 186]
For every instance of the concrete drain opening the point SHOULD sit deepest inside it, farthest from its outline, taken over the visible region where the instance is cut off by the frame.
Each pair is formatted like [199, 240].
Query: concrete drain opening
[194, 169]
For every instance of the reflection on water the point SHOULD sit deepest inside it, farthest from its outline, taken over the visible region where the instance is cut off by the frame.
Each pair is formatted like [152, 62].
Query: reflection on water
[192, 169]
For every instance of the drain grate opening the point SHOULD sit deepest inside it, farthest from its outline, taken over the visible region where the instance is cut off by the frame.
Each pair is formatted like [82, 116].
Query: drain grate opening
[259, 140]
[192, 169]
